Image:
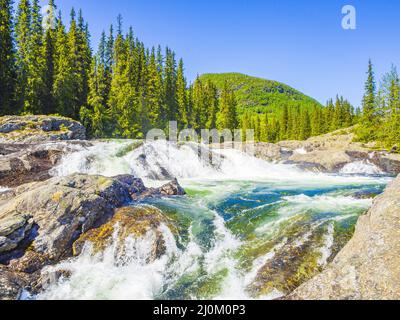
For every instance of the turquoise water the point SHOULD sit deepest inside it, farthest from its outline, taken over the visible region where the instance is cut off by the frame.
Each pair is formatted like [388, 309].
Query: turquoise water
[246, 230]
[267, 224]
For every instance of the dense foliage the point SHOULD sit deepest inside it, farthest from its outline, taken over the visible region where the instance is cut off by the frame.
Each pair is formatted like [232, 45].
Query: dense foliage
[276, 111]
[125, 89]
[380, 119]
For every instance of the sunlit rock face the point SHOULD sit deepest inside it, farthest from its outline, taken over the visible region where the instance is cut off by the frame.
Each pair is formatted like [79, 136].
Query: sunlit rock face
[39, 129]
[368, 266]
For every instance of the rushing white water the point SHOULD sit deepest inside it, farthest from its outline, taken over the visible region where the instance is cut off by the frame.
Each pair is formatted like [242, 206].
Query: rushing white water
[4, 189]
[236, 201]
[161, 160]
[112, 276]
[326, 248]
[361, 167]
[326, 203]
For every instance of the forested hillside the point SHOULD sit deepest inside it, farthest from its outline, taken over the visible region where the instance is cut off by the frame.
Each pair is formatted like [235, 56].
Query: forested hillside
[278, 112]
[258, 94]
[123, 89]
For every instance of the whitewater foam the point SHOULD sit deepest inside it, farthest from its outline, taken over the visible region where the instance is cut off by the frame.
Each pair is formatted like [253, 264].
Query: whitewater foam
[161, 161]
[361, 167]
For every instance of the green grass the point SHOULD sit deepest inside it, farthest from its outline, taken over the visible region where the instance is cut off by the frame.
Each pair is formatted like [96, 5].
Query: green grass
[260, 95]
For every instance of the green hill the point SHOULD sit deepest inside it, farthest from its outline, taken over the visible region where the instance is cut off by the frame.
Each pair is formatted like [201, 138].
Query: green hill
[260, 95]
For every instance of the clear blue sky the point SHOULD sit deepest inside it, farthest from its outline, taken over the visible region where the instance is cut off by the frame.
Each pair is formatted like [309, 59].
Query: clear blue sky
[300, 43]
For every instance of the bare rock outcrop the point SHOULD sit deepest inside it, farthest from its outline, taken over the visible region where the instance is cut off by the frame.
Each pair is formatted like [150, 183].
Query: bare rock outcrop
[48, 216]
[39, 129]
[24, 163]
[331, 152]
[41, 221]
[367, 268]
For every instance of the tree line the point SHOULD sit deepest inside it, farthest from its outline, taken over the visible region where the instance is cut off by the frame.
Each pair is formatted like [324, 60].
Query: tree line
[380, 119]
[125, 89]
[121, 91]
[300, 123]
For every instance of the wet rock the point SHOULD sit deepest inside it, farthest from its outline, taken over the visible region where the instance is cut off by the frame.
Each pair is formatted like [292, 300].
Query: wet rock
[41, 221]
[13, 229]
[127, 222]
[367, 268]
[136, 185]
[172, 188]
[365, 194]
[11, 283]
[36, 129]
[48, 216]
[30, 263]
[28, 163]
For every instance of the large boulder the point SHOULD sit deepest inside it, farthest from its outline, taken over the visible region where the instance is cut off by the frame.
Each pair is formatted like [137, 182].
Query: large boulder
[36, 129]
[22, 163]
[49, 216]
[368, 266]
[39, 222]
[172, 188]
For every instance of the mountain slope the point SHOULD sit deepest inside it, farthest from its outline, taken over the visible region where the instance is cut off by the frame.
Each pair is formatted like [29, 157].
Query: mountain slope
[260, 95]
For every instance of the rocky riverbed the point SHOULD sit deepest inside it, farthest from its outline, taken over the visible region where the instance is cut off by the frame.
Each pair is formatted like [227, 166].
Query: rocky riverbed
[335, 152]
[48, 218]
[43, 219]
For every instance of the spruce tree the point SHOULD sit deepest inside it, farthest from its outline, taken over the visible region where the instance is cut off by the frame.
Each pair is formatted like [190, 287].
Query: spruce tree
[284, 123]
[64, 82]
[368, 121]
[394, 118]
[212, 105]
[170, 78]
[36, 88]
[227, 117]
[7, 59]
[154, 91]
[49, 42]
[22, 36]
[181, 97]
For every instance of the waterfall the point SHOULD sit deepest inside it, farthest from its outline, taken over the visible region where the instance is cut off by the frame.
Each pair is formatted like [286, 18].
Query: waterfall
[241, 214]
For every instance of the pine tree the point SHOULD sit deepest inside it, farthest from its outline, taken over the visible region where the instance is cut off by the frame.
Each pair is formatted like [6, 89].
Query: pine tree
[394, 118]
[84, 60]
[227, 117]
[264, 128]
[96, 115]
[198, 115]
[22, 34]
[36, 88]
[170, 78]
[368, 121]
[212, 105]
[284, 123]
[305, 127]
[7, 59]
[48, 53]
[154, 91]
[64, 82]
[181, 97]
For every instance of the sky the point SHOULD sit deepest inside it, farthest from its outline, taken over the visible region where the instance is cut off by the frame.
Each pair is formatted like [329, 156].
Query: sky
[300, 43]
